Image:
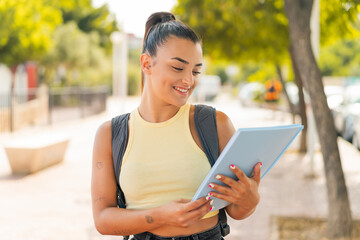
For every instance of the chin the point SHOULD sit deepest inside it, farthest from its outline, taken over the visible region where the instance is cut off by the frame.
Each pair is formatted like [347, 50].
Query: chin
[179, 103]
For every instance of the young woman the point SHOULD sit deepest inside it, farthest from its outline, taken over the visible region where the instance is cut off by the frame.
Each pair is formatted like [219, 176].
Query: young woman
[164, 162]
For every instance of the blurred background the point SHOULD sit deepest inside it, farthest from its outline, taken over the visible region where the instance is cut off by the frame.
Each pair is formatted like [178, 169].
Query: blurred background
[66, 66]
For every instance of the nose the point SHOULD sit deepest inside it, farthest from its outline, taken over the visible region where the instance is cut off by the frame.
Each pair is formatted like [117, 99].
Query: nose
[188, 79]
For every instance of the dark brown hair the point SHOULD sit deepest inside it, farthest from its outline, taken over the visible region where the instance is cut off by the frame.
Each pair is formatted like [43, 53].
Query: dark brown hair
[159, 27]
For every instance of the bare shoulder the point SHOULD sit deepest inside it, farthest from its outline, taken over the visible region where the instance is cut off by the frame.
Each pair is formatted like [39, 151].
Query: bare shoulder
[104, 129]
[103, 185]
[102, 142]
[225, 129]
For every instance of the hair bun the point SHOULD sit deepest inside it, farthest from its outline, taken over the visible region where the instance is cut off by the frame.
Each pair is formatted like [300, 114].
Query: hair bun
[167, 18]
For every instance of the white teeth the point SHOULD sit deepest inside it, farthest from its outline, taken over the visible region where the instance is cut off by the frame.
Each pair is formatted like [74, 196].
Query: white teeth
[182, 90]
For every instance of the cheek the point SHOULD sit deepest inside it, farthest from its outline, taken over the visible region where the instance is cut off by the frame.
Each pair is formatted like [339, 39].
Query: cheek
[166, 73]
[196, 81]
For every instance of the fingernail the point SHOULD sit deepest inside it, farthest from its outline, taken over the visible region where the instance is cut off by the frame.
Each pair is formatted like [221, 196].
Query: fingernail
[232, 166]
[207, 198]
[218, 177]
[211, 185]
[211, 208]
[260, 164]
[211, 202]
[210, 194]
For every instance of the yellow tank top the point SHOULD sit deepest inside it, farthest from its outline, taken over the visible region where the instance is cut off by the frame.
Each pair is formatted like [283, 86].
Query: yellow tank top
[162, 162]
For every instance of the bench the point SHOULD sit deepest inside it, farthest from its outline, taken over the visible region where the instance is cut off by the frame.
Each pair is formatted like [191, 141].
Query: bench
[31, 154]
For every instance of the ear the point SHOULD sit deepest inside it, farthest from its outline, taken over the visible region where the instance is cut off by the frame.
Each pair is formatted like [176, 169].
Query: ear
[145, 61]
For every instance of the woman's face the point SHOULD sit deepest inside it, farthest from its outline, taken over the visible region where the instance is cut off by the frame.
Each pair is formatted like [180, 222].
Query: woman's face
[174, 71]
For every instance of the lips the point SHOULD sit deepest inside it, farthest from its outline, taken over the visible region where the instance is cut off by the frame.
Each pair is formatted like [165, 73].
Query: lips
[182, 90]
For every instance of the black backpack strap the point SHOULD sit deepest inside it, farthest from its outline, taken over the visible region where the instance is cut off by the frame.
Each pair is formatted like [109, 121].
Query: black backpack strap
[119, 136]
[205, 124]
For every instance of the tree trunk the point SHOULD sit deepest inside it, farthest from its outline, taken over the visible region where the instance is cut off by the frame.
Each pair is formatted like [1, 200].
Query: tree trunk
[301, 105]
[291, 105]
[12, 97]
[339, 214]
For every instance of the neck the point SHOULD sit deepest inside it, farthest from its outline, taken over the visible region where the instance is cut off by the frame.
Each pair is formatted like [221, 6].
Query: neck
[155, 110]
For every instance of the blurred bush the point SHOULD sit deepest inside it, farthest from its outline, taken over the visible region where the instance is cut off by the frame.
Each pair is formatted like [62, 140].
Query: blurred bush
[70, 40]
[134, 71]
[341, 58]
[83, 61]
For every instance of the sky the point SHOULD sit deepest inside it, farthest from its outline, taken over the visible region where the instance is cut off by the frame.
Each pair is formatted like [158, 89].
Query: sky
[134, 13]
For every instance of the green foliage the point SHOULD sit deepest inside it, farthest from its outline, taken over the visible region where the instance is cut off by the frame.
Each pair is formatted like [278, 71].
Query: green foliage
[339, 20]
[34, 30]
[221, 72]
[248, 69]
[241, 31]
[254, 34]
[89, 19]
[79, 53]
[265, 72]
[134, 72]
[134, 79]
[25, 29]
[341, 58]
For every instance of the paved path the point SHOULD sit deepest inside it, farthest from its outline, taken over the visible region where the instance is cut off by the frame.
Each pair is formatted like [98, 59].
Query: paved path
[55, 203]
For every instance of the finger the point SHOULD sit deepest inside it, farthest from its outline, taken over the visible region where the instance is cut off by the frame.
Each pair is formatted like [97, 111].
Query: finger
[257, 175]
[198, 213]
[196, 204]
[228, 181]
[221, 189]
[223, 197]
[239, 174]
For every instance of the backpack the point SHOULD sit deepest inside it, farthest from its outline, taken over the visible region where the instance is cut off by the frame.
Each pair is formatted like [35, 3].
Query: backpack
[205, 124]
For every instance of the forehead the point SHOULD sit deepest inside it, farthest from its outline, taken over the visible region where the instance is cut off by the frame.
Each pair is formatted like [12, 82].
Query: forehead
[182, 48]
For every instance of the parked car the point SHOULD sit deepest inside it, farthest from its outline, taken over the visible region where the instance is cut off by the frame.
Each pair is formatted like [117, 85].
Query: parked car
[251, 93]
[356, 135]
[346, 113]
[209, 86]
[334, 95]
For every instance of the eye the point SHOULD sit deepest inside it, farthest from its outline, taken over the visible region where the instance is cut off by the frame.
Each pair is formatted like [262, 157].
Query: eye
[196, 73]
[177, 69]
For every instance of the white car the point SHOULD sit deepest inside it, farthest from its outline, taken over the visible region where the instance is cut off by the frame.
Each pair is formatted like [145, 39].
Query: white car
[334, 95]
[347, 111]
[356, 135]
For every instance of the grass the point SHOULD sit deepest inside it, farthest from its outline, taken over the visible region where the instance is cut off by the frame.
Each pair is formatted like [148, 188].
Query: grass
[301, 228]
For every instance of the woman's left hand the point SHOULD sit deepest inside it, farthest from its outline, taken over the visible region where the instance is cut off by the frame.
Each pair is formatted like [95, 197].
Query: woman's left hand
[242, 194]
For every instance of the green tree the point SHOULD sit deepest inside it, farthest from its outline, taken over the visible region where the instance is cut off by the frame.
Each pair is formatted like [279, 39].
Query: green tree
[341, 58]
[339, 20]
[80, 54]
[88, 18]
[25, 30]
[232, 29]
[339, 212]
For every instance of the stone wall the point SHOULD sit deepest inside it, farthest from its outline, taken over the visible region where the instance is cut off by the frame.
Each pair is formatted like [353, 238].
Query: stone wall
[32, 112]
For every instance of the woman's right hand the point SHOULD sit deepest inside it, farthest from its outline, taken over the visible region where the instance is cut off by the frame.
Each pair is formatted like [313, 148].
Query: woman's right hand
[183, 212]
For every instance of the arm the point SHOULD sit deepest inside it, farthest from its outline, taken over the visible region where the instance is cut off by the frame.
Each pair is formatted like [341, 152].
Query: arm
[242, 194]
[111, 220]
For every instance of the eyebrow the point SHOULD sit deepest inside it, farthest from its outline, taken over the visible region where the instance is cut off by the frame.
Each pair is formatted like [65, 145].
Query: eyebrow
[186, 62]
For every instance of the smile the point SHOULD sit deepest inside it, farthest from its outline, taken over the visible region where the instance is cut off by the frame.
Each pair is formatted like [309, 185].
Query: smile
[182, 90]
